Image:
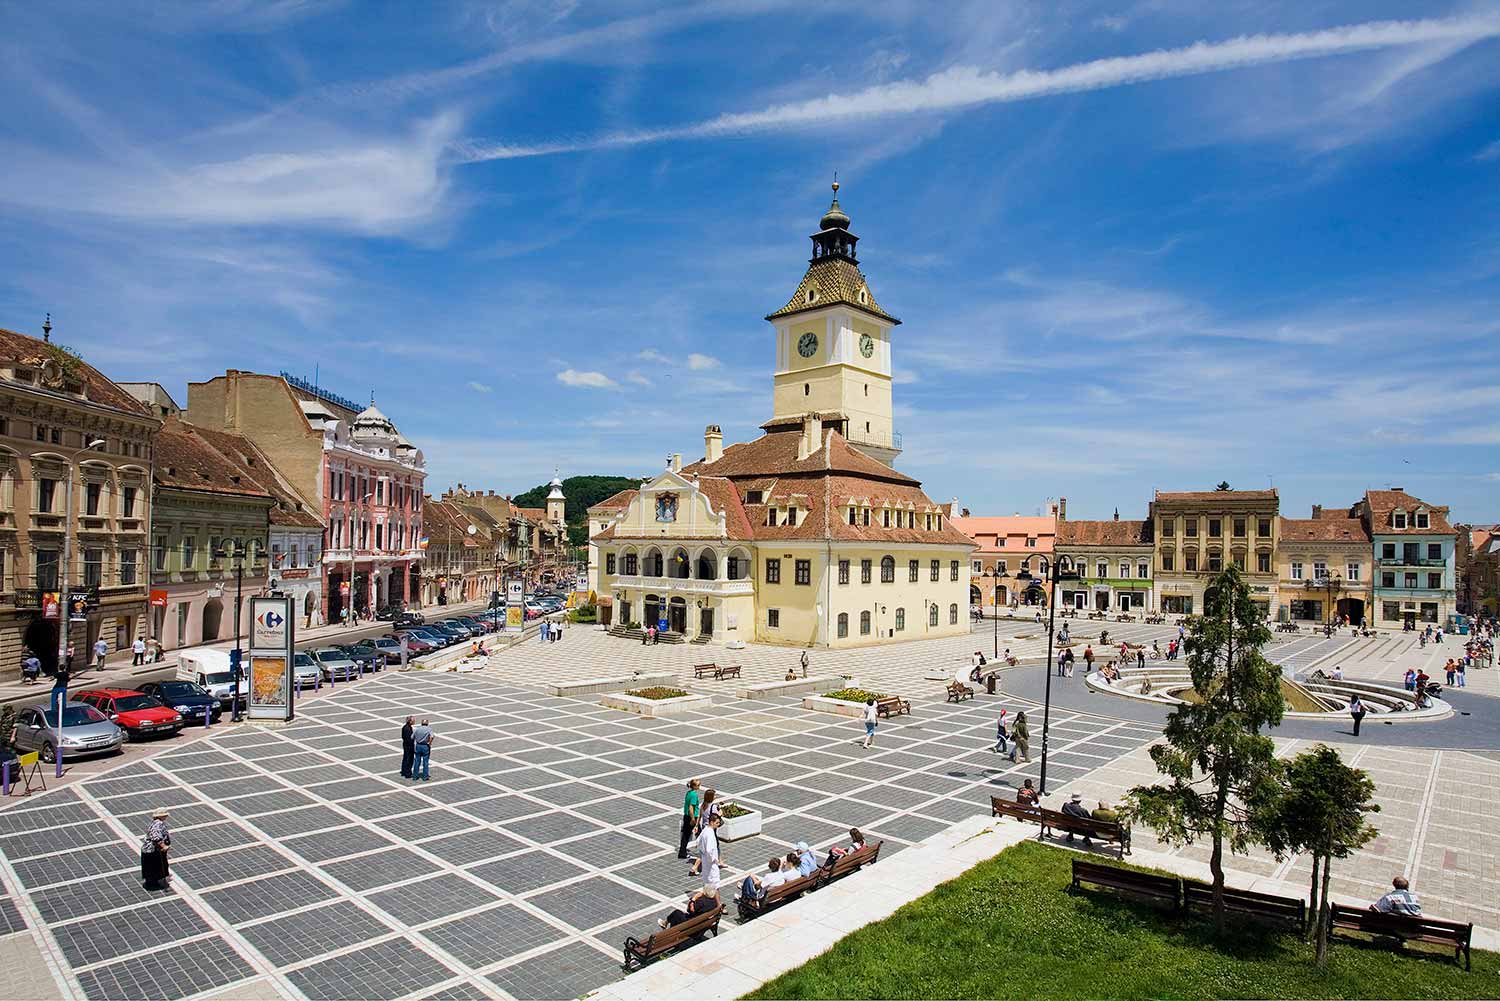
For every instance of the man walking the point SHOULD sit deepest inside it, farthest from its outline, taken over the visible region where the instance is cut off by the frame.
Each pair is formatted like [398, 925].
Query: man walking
[407, 748]
[138, 652]
[1021, 734]
[101, 649]
[1088, 659]
[1002, 737]
[871, 720]
[421, 745]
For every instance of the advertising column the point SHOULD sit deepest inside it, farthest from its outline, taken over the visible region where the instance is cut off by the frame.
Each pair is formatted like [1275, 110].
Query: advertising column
[271, 637]
[515, 605]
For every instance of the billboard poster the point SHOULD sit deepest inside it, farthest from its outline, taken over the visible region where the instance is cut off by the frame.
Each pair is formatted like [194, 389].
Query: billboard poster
[269, 691]
[513, 618]
[515, 605]
[272, 639]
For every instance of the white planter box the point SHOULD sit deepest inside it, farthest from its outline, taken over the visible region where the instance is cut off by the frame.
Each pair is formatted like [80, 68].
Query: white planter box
[735, 828]
[837, 706]
[656, 707]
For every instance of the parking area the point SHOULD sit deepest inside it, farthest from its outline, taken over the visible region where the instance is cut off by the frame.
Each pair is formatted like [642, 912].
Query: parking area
[305, 867]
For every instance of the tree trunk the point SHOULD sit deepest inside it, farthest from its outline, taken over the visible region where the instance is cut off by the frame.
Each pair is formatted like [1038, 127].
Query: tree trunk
[1314, 915]
[1216, 860]
[1323, 910]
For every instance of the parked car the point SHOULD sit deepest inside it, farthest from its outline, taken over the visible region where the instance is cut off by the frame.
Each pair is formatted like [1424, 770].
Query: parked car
[305, 669]
[210, 670]
[408, 619]
[138, 714]
[361, 656]
[388, 613]
[465, 632]
[433, 635]
[335, 664]
[379, 651]
[449, 634]
[415, 645]
[188, 698]
[85, 732]
[483, 625]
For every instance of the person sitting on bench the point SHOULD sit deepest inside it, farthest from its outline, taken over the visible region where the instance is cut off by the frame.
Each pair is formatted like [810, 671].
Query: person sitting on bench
[1026, 795]
[1400, 900]
[701, 902]
[1106, 814]
[856, 842]
[1074, 808]
[754, 887]
[807, 859]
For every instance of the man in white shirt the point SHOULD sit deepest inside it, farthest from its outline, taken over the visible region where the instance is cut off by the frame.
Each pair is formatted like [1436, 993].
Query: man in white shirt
[708, 851]
[101, 650]
[871, 718]
[138, 648]
[754, 887]
[1400, 900]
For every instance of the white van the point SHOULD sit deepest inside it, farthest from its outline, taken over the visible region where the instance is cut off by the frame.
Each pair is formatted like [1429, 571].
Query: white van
[210, 670]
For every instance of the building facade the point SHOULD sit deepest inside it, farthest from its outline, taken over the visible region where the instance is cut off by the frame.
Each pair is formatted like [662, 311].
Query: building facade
[1413, 557]
[1199, 533]
[67, 432]
[1011, 564]
[1113, 561]
[805, 536]
[1323, 566]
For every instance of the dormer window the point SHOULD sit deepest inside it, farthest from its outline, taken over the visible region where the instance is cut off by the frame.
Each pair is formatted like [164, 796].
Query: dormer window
[1422, 521]
[864, 297]
[812, 295]
[753, 497]
[1398, 519]
[791, 517]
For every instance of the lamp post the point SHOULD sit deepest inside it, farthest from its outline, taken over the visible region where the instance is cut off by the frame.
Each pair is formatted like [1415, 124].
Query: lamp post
[1057, 576]
[998, 575]
[64, 607]
[349, 608]
[237, 554]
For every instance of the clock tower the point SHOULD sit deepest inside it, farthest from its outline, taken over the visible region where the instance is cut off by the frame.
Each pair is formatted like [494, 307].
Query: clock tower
[833, 345]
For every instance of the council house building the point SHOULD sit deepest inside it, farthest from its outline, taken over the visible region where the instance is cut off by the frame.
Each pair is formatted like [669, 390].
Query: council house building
[806, 536]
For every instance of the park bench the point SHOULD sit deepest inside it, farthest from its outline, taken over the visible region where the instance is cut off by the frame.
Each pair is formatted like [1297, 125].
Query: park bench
[1107, 831]
[1016, 811]
[1142, 884]
[718, 673]
[1199, 897]
[957, 692]
[850, 862]
[638, 953]
[1403, 928]
[778, 895]
[892, 706]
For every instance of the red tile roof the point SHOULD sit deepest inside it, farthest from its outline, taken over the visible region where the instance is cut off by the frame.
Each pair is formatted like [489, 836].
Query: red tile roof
[1383, 503]
[1104, 533]
[1324, 529]
[616, 501]
[33, 352]
[186, 459]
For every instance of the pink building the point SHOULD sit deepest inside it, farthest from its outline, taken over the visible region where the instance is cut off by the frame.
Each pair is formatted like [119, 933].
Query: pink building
[1013, 558]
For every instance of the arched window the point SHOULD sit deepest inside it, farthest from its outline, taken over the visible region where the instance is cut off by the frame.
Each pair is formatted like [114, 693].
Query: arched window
[900, 620]
[864, 623]
[844, 624]
[887, 570]
[953, 615]
[932, 615]
[632, 564]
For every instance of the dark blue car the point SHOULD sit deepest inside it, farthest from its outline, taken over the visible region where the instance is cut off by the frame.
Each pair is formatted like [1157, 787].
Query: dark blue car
[186, 697]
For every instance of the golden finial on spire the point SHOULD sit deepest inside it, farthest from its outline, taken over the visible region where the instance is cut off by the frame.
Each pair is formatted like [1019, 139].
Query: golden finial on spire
[835, 182]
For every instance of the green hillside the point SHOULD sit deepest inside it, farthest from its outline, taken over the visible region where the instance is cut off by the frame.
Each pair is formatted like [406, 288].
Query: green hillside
[581, 493]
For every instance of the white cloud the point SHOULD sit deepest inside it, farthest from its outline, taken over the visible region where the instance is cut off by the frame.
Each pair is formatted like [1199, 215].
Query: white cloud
[653, 355]
[637, 378]
[702, 363]
[962, 87]
[1490, 152]
[480, 387]
[589, 380]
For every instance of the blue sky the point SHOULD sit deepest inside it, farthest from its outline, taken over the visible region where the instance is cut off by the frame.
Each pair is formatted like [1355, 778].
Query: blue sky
[1135, 245]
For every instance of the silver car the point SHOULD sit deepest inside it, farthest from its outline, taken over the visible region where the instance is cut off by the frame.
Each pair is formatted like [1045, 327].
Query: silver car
[305, 670]
[85, 732]
[335, 663]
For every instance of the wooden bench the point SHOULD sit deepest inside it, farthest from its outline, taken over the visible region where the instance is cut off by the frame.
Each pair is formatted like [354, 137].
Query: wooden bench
[851, 862]
[1016, 811]
[1199, 897]
[719, 673]
[958, 692]
[1403, 928]
[639, 953]
[729, 671]
[778, 895]
[892, 706]
[1143, 884]
[1108, 831]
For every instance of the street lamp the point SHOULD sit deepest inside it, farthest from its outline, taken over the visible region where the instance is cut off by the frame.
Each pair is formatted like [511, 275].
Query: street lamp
[64, 607]
[237, 554]
[998, 574]
[349, 608]
[1057, 576]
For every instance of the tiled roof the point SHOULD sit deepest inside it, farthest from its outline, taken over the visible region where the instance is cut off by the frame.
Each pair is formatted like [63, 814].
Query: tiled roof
[1324, 529]
[1383, 503]
[616, 501]
[837, 281]
[288, 510]
[724, 497]
[1194, 496]
[1104, 533]
[775, 454]
[994, 533]
[17, 348]
[444, 523]
[184, 458]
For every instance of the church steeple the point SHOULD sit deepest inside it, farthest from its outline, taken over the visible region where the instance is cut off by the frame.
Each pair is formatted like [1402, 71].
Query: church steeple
[833, 238]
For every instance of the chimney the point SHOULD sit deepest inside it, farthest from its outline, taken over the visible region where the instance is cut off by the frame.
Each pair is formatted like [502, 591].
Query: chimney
[676, 462]
[811, 427]
[713, 443]
[1062, 510]
[1317, 510]
[966, 512]
[1117, 512]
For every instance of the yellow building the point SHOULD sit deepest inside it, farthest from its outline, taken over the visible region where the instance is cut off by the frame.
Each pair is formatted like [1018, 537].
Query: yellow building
[1324, 566]
[805, 536]
[1199, 533]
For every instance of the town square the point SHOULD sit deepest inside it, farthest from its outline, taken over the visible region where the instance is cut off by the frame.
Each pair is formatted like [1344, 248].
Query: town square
[523, 499]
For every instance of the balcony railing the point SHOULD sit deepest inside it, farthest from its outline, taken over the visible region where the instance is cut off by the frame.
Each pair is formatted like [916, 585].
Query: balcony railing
[880, 439]
[1400, 561]
[686, 585]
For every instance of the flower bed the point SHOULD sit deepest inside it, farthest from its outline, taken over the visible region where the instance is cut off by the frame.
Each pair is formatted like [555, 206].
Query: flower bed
[853, 695]
[739, 822]
[656, 693]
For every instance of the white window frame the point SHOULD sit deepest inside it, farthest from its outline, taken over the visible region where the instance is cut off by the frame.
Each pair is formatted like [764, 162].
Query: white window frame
[1297, 570]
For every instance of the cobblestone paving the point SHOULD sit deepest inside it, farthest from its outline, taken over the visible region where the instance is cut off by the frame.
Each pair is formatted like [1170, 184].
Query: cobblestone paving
[304, 864]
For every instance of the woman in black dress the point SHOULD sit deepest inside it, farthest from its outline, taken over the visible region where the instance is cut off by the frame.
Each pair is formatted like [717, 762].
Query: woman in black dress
[154, 848]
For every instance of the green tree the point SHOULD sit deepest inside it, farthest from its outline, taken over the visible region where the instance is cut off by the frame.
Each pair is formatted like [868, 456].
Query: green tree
[1320, 811]
[1223, 769]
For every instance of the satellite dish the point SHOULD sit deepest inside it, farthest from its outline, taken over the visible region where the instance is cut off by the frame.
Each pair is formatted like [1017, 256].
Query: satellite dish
[472, 530]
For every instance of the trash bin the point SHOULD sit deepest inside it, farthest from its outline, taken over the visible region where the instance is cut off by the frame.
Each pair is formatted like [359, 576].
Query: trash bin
[989, 683]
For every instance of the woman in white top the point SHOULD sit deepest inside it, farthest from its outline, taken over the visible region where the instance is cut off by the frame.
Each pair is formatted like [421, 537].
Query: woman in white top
[870, 721]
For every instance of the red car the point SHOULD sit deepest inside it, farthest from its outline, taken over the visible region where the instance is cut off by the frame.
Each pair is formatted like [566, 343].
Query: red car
[415, 645]
[136, 714]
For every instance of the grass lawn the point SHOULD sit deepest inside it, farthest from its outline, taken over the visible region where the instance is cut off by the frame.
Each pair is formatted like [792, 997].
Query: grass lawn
[1009, 929]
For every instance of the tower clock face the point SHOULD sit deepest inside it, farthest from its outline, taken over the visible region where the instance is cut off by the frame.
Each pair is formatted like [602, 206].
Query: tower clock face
[866, 345]
[807, 344]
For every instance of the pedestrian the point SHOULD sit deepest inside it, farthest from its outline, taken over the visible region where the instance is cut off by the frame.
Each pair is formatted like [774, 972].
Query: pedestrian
[708, 851]
[1357, 711]
[68, 660]
[138, 652]
[59, 689]
[804, 663]
[542, 631]
[1140, 657]
[645, 636]
[871, 720]
[1021, 734]
[1002, 735]
[31, 669]
[1088, 659]
[153, 651]
[689, 816]
[655, 636]
[408, 751]
[1462, 668]
[421, 741]
[1070, 663]
[154, 848]
[101, 649]
[1410, 680]
[1062, 662]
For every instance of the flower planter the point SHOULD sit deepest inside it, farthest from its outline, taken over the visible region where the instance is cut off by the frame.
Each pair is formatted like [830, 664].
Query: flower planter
[655, 707]
[745, 826]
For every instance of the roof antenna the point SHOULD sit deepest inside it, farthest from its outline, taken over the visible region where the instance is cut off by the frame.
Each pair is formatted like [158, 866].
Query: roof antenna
[47, 329]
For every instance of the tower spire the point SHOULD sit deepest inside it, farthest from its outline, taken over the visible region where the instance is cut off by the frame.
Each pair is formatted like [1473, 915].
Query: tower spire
[47, 329]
